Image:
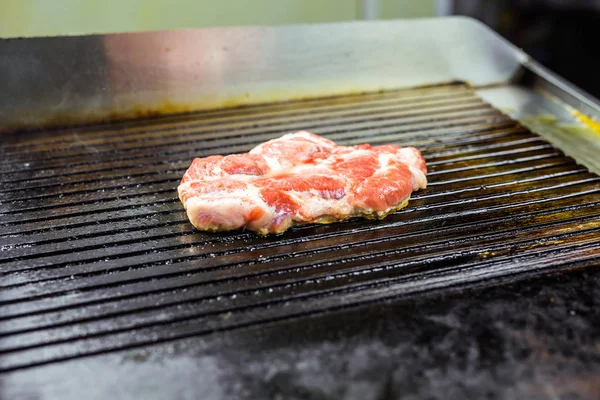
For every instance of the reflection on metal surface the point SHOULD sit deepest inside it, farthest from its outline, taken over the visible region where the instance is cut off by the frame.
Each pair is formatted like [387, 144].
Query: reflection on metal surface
[587, 121]
[550, 117]
[576, 140]
[79, 79]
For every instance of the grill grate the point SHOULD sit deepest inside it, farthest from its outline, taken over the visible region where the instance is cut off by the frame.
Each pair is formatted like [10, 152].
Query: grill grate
[96, 253]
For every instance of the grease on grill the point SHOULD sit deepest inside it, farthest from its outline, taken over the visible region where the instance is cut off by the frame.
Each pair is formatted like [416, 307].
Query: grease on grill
[97, 255]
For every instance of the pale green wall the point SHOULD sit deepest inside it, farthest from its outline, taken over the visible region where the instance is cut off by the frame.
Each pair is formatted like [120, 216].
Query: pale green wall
[56, 17]
[407, 8]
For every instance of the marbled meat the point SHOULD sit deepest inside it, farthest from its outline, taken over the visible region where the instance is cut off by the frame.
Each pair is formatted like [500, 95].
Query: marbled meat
[299, 178]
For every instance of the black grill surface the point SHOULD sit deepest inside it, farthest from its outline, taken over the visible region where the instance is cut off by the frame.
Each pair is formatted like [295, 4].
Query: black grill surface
[97, 255]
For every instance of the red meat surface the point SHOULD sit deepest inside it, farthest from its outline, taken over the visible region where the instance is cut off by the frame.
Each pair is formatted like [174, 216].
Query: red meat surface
[299, 178]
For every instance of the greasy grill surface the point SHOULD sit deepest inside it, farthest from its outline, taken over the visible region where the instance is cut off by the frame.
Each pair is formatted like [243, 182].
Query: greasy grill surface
[96, 253]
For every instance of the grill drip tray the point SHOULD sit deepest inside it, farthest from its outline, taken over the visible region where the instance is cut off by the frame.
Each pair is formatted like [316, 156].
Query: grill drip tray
[96, 253]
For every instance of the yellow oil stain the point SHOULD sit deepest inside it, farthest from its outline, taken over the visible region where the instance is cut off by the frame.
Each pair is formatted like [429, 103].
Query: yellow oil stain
[487, 254]
[540, 244]
[587, 121]
[579, 139]
[226, 315]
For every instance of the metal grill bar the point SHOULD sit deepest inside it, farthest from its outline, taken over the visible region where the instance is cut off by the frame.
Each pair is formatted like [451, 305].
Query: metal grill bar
[455, 133]
[11, 262]
[78, 155]
[52, 237]
[28, 252]
[97, 254]
[44, 174]
[228, 129]
[223, 130]
[12, 216]
[413, 100]
[64, 284]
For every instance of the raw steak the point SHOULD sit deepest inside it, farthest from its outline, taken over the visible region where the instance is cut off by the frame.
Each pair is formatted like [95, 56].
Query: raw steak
[299, 178]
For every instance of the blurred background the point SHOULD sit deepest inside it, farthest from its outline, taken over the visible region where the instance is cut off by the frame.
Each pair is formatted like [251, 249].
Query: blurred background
[561, 34]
